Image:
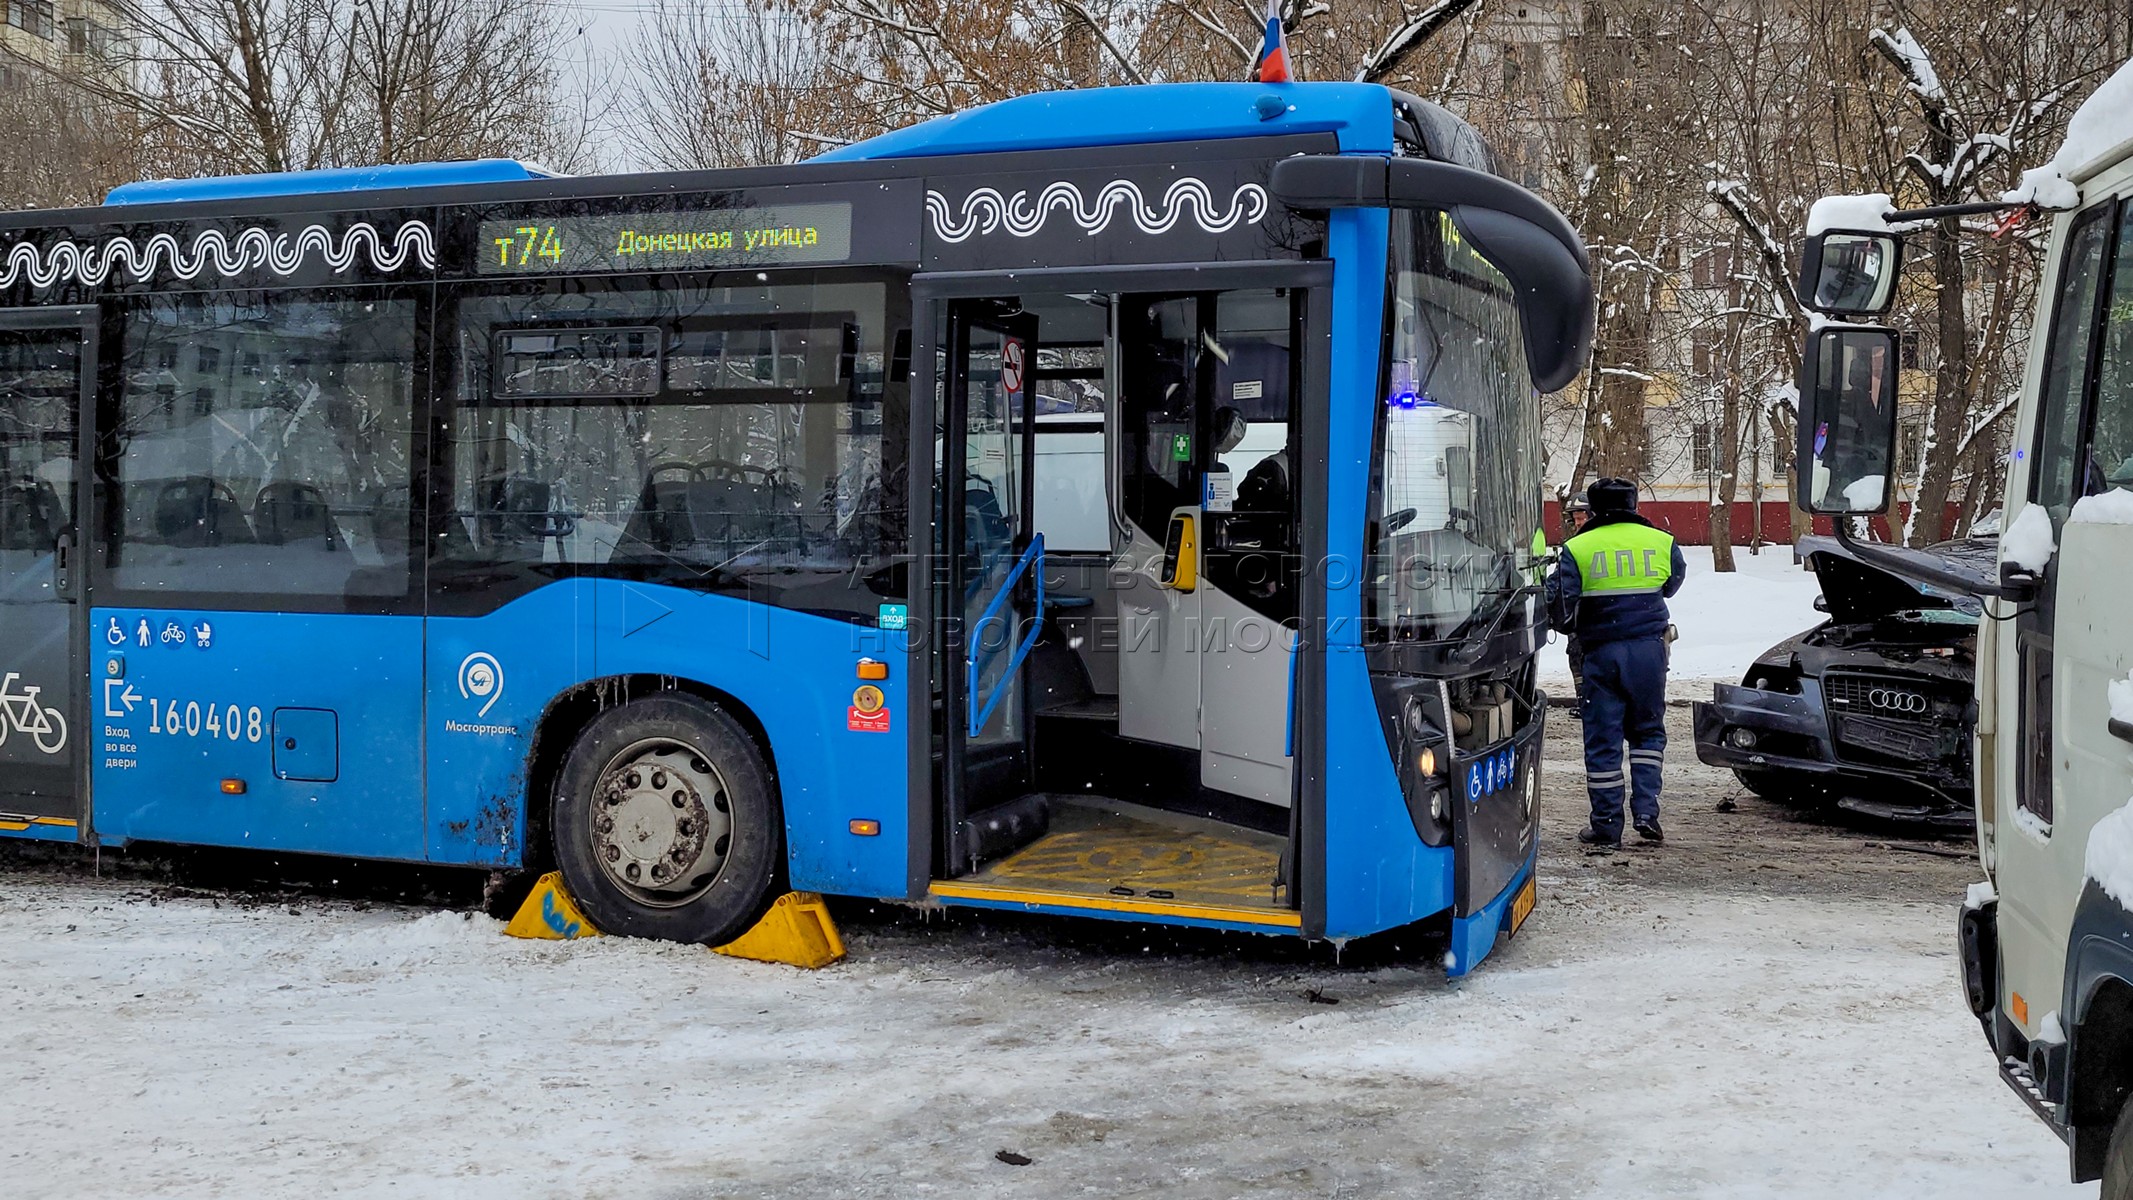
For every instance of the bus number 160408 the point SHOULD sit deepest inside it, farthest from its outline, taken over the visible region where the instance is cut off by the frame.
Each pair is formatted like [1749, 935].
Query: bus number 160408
[214, 720]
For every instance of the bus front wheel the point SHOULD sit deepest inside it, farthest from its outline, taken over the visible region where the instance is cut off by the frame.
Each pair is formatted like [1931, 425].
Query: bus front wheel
[665, 824]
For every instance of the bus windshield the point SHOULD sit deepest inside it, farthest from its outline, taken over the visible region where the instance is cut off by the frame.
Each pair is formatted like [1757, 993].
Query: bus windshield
[1456, 486]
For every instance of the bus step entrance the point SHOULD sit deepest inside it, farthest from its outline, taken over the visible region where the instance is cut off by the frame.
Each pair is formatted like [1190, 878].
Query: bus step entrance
[1108, 855]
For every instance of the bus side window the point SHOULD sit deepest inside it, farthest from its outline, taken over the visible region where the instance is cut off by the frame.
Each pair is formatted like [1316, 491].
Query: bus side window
[676, 432]
[265, 445]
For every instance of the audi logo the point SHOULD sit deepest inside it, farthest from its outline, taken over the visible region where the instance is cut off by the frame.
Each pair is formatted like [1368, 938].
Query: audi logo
[1895, 701]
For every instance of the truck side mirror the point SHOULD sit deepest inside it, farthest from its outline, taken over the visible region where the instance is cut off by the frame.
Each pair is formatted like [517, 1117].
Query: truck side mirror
[1848, 378]
[1849, 273]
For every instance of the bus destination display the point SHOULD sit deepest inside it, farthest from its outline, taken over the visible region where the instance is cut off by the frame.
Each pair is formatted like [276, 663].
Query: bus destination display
[771, 234]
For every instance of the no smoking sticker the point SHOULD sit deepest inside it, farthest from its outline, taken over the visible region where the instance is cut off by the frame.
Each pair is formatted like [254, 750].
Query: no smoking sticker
[1011, 368]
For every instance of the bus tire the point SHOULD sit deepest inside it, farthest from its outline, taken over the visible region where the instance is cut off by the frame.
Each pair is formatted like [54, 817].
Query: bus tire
[665, 824]
[2118, 1159]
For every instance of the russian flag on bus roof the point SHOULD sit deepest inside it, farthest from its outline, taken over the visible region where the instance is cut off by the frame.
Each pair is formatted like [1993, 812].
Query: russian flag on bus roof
[1274, 50]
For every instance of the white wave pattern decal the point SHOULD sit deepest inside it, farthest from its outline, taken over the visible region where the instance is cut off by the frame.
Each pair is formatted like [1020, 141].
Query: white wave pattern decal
[214, 252]
[986, 210]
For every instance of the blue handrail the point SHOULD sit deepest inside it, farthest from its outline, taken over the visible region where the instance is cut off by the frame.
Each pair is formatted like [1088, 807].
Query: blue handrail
[978, 660]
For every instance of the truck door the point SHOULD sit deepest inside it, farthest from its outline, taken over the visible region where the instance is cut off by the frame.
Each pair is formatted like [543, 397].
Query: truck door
[2069, 769]
[46, 382]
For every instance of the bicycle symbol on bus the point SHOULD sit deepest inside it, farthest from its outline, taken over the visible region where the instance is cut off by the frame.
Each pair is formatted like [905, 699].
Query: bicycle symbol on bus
[47, 726]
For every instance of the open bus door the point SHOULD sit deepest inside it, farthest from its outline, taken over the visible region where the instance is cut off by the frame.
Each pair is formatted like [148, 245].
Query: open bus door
[47, 372]
[986, 612]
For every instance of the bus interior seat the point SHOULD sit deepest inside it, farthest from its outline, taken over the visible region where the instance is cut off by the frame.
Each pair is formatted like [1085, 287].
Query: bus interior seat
[724, 505]
[517, 509]
[288, 512]
[31, 516]
[733, 512]
[661, 519]
[199, 511]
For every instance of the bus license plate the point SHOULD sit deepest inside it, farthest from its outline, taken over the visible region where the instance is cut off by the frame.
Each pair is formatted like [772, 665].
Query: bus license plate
[1522, 903]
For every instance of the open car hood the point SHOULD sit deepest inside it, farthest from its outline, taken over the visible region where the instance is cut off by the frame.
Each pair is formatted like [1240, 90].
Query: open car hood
[1856, 592]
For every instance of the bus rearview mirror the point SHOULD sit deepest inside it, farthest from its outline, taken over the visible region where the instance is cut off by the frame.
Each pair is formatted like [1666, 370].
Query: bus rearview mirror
[1521, 234]
[1850, 273]
[1848, 399]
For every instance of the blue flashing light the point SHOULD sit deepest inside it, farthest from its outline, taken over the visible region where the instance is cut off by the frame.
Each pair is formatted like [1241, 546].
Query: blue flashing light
[1359, 114]
[336, 179]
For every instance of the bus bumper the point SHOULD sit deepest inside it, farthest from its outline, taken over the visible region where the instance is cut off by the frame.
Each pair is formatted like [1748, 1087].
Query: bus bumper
[1474, 937]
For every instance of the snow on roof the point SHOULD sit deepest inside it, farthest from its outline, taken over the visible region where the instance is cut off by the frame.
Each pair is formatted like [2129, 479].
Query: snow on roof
[1867, 213]
[2100, 132]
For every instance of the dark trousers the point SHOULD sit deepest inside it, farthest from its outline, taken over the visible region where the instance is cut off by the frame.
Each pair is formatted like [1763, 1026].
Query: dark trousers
[1624, 699]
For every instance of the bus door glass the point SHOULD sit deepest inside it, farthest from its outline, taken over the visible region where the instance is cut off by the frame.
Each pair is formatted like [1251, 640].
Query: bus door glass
[1207, 424]
[44, 361]
[994, 562]
[1161, 364]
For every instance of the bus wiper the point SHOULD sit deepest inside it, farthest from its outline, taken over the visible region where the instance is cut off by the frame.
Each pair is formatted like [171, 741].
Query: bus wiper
[1473, 645]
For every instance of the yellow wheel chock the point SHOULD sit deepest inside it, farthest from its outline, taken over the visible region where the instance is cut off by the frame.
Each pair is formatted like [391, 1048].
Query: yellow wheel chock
[796, 931]
[550, 913]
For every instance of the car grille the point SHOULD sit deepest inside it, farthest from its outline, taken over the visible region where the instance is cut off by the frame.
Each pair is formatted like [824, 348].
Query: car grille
[1881, 696]
[1892, 719]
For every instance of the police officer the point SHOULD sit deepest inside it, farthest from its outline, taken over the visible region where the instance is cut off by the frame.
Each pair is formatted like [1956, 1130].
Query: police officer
[1609, 591]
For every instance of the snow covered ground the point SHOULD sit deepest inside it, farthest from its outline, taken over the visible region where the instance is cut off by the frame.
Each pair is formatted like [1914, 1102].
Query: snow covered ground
[1764, 1007]
[1725, 620]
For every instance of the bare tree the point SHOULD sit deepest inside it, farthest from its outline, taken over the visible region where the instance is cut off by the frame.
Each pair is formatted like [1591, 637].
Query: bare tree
[726, 93]
[63, 146]
[1976, 89]
[281, 85]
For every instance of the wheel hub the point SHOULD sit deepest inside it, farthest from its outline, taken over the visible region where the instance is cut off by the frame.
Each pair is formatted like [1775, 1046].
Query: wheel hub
[661, 822]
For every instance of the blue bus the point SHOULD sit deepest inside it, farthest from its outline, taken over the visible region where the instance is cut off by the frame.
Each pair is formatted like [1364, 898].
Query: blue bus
[1121, 503]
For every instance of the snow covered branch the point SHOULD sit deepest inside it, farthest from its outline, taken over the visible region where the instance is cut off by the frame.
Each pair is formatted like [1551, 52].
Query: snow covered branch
[1406, 37]
[1901, 48]
[1986, 422]
[1732, 195]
